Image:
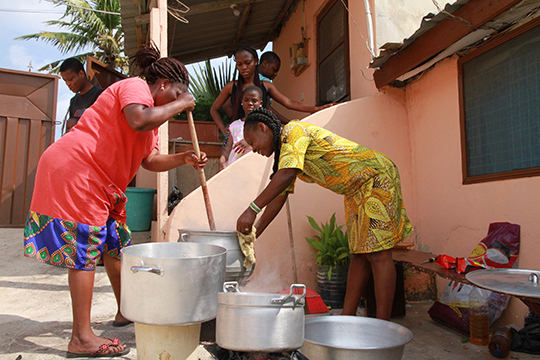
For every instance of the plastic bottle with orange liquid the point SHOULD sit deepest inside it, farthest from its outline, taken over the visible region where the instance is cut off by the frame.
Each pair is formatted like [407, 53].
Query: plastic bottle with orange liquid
[479, 316]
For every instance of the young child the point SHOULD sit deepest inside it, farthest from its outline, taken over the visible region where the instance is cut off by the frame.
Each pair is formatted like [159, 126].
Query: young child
[236, 146]
[247, 59]
[269, 65]
[375, 214]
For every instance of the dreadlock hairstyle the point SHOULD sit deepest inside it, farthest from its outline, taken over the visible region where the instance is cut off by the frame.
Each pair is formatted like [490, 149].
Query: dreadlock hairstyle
[154, 68]
[265, 116]
[235, 97]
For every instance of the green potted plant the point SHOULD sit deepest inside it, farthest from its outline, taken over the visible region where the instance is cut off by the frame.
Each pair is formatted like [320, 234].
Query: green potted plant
[331, 251]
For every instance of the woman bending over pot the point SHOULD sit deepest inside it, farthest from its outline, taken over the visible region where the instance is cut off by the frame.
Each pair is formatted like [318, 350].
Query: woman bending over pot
[368, 180]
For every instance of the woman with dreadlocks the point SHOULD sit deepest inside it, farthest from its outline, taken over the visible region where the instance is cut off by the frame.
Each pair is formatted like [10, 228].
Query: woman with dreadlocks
[77, 216]
[376, 217]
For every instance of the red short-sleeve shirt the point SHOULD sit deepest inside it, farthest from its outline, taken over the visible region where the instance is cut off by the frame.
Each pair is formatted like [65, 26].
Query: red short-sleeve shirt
[82, 177]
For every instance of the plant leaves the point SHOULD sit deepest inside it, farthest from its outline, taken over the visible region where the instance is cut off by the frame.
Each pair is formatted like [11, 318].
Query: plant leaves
[314, 224]
[331, 246]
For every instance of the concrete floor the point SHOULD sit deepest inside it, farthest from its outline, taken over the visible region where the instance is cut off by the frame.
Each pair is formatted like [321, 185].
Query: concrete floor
[35, 314]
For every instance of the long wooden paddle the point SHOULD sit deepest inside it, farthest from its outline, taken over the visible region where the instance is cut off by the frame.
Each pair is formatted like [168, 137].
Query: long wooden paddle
[202, 177]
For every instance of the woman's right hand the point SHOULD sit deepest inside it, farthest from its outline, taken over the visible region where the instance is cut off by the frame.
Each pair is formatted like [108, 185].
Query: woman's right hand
[245, 221]
[186, 101]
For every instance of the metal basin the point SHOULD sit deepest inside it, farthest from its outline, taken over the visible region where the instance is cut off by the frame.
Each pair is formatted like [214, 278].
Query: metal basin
[171, 283]
[354, 337]
[235, 270]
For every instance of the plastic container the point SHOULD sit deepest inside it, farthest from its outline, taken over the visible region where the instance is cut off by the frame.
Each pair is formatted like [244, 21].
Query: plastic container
[479, 316]
[139, 208]
[501, 342]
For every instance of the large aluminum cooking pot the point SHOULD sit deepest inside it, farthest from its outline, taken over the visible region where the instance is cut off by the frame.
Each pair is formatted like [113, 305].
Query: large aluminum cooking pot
[354, 337]
[235, 270]
[171, 283]
[260, 322]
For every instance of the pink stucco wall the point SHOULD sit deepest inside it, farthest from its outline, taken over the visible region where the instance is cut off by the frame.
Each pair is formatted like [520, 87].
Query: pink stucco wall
[304, 86]
[451, 218]
[417, 127]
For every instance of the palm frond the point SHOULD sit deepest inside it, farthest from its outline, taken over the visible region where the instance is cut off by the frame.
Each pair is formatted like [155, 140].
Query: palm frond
[85, 28]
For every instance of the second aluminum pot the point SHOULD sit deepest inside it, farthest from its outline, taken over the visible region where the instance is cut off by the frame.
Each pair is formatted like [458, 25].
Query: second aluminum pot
[235, 270]
[260, 322]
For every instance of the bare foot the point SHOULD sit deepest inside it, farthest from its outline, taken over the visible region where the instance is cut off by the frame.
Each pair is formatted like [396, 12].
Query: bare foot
[119, 318]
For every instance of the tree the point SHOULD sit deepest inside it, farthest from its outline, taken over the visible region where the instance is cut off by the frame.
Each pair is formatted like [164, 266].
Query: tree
[94, 24]
[205, 85]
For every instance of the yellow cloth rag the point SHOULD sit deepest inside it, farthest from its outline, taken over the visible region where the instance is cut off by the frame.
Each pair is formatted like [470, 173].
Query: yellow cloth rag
[246, 245]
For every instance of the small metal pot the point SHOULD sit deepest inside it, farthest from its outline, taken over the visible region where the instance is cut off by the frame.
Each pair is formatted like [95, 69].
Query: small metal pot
[260, 322]
[171, 283]
[354, 337]
[235, 270]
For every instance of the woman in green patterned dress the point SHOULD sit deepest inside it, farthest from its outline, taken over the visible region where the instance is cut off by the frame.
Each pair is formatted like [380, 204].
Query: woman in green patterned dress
[369, 181]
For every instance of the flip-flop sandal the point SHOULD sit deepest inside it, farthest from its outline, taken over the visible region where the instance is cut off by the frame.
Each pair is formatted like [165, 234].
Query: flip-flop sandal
[121, 324]
[102, 351]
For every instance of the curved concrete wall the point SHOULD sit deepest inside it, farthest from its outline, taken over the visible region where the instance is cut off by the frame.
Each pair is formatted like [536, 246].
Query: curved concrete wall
[378, 122]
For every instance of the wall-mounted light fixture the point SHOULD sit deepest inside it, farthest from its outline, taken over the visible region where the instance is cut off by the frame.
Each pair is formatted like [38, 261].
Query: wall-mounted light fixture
[235, 9]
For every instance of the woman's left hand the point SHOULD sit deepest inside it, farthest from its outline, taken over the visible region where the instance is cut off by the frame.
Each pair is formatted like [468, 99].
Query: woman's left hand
[241, 147]
[245, 221]
[191, 159]
[319, 108]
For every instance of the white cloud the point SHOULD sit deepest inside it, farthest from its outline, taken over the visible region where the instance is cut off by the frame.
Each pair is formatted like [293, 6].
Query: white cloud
[19, 57]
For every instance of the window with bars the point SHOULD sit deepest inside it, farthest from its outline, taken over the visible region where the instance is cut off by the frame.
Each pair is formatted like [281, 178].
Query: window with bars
[500, 94]
[333, 71]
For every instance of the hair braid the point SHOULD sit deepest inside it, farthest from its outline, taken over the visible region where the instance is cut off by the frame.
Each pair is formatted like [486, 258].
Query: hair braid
[154, 68]
[268, 118]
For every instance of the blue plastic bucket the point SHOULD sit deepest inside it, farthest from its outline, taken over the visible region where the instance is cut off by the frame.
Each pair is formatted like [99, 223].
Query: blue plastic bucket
[139, 208]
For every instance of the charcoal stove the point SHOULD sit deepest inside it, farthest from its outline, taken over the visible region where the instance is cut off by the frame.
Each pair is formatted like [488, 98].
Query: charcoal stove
[223, 354]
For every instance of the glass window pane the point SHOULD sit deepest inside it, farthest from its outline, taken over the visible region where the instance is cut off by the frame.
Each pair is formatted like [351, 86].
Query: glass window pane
[331, 29]
[502, 107]
[332, 81]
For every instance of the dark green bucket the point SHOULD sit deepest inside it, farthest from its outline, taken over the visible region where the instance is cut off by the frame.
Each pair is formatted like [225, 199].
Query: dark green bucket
[139, 208]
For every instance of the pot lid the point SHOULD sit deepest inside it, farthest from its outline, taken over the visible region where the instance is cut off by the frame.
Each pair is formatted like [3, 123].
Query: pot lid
[231, 295]
[518, 282]
[260, 300]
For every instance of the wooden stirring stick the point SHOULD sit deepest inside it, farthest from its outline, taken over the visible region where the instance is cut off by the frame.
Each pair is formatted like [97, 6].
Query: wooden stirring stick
[202, 177]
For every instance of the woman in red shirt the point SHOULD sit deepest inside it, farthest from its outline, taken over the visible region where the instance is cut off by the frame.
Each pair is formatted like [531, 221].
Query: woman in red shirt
[77, 217]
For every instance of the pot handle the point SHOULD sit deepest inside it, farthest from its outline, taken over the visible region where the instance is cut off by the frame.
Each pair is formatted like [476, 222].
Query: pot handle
[184, 237]
[147, 269]
[230, 286]
[300, 300]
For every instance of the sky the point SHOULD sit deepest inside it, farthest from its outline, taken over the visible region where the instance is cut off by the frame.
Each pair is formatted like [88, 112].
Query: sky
[23, 17]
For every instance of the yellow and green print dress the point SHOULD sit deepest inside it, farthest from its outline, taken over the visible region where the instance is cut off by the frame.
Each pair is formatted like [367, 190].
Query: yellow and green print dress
[376, 217]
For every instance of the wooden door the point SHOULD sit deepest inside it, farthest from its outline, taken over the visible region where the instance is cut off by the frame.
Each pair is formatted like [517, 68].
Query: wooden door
[27, 119]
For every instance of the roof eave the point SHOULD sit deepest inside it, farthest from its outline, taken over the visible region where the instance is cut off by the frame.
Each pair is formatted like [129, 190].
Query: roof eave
[462, 22]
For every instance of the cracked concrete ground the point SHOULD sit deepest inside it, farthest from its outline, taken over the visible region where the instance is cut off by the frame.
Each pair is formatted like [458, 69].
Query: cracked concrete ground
[35, 314]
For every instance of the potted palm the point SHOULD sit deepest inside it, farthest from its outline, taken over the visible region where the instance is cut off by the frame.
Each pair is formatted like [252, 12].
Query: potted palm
[331, 251]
